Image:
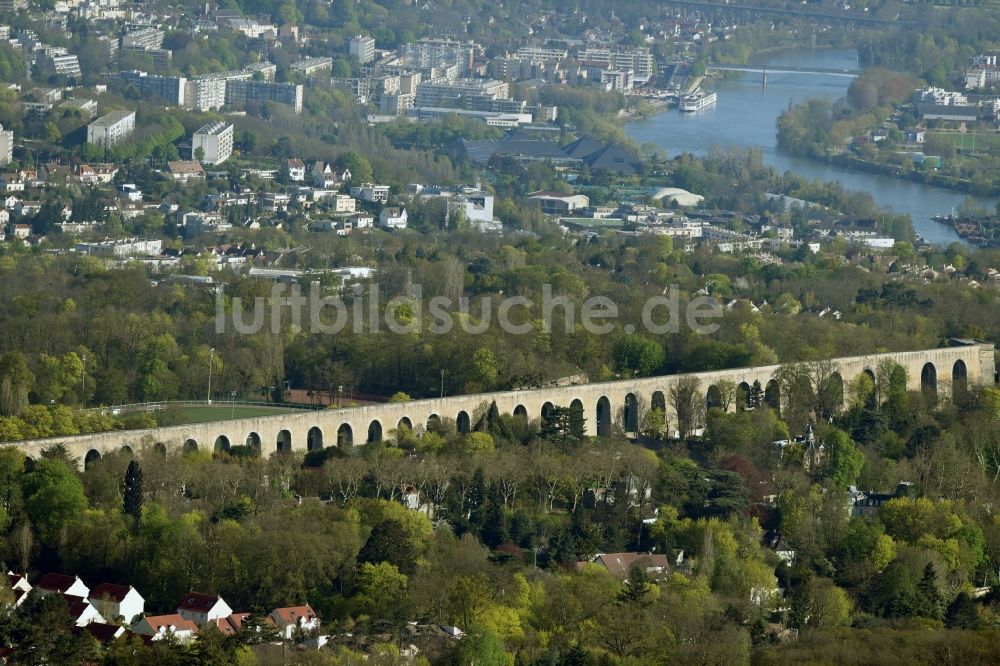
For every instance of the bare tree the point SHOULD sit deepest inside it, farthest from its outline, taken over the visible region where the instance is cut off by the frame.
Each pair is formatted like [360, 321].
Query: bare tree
[828, 392]
[727, 393]
[344, 476]
[25, 543]
[506, 472]
[548, 476]
[685, 397]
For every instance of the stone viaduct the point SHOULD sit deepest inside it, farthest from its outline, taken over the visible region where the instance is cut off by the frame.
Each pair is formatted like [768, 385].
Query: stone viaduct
[938, 370]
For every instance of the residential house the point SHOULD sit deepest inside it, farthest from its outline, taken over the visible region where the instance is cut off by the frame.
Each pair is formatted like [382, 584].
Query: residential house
[159, 626]
[28, 208]
[328, 176]
[295, 169]
[20, 586]
[4, 217]
[371, 193]
[97, 174]
[55, 583]
[292, 617]
[622, 564]
[12, 182]
[114, 601]
[20, 231]
[342, 203]
[203, 608]
[81, 610]
[275, 202]
[105, 633]
[231, 624]
[185, 170]
[392, 218]
[362, 221]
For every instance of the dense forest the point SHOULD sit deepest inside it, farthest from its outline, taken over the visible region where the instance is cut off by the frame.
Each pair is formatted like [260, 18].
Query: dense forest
[516, 505]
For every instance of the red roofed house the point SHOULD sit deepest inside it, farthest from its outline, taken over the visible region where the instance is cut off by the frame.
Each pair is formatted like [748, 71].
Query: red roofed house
[81, 610]
[20, 586]
[53, 583]
[287, 619]
[203, 608]
[231, 624]
[621, 564]
[158, 626]
[105, 633]
[115, 601]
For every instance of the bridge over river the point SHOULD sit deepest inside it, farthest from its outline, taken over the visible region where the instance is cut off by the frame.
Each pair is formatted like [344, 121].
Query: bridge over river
[938, 370]
[848, 73]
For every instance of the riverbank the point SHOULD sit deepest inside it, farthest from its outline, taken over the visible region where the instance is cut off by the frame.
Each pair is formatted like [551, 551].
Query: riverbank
[745, 117]
[932, 178]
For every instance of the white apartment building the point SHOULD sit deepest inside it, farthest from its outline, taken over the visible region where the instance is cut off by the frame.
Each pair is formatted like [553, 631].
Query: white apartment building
[425, 53]
[310, 66]
[128, 247]
[216, 140]
[362, 47]
[111, 128]
[541, 54]
[143, 38]
[342, 203]
[441, 93]
[371, 192]
[205, 93]
[940, 96]
[639, 60]
[6, 145]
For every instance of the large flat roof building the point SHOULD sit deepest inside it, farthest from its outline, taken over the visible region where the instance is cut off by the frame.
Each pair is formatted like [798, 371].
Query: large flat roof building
[216, 141]
[310, 66]
[111, 128]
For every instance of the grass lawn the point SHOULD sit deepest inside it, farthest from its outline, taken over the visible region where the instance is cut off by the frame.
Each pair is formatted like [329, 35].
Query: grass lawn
[986, 142]
[219, 412]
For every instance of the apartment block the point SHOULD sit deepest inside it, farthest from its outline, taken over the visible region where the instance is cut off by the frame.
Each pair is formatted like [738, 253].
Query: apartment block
[111, 128]
[6, 146]
[310, 66]
[216, 141]
[243, 92]
[205, 93]
[442, 93]
[639, 60]
[541, 54]
[167, 89]
[362, 47]
[143, 38]
[60, 61]
[440, 53]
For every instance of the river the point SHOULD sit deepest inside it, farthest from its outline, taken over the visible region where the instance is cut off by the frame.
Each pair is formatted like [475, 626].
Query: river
[746, 115]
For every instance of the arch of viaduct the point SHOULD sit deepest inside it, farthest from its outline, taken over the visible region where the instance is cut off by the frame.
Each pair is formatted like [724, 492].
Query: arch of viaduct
[934, 369]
